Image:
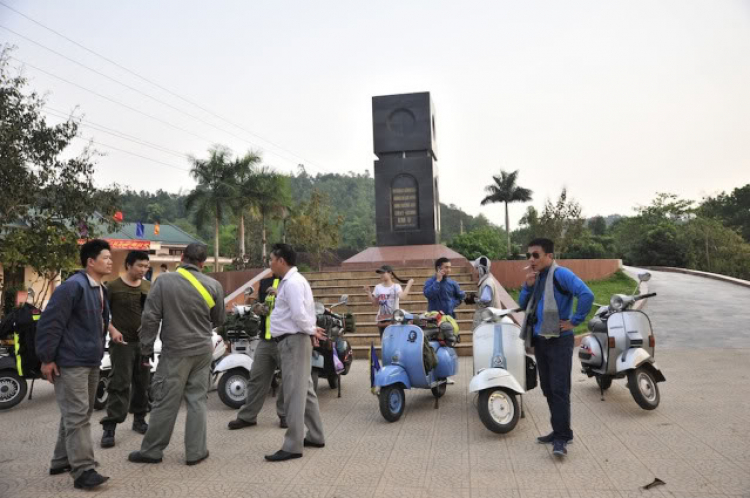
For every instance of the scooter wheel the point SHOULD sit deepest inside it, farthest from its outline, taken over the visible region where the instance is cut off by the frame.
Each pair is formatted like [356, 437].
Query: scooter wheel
[498, 410]
[392, 403]
[13, 389]
[644, 388]
[233, 387]
[102, 392]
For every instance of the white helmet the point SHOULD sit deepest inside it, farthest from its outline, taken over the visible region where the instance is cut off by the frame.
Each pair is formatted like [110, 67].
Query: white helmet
[482, 265]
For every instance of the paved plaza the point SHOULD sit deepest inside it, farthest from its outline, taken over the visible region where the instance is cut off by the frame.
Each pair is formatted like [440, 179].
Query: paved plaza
[697, 442]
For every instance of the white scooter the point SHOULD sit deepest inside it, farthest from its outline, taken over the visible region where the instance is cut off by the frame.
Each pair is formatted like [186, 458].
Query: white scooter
[503, 372]
[105, 372]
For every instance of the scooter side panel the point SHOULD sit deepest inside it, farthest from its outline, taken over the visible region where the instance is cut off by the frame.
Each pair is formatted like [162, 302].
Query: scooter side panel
[482, 343]
[494, 377]
[515, 352]
[392, 374]
[402, 346]
[447, 363]
[234, 361]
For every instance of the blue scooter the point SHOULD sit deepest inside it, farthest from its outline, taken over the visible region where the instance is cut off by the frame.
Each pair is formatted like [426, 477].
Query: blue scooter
[403, 365]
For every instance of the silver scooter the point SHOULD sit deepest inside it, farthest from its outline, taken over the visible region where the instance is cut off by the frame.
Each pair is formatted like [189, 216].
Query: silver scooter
[621, 344]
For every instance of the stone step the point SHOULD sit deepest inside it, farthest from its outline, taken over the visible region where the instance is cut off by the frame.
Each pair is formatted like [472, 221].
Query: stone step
[363, 352]
[462, 313]
[464, 326]
[373, 280]
[421, 271]
[357, 289]
[412, 302]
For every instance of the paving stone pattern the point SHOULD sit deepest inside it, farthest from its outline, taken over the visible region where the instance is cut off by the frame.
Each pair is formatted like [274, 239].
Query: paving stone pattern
[697, 442]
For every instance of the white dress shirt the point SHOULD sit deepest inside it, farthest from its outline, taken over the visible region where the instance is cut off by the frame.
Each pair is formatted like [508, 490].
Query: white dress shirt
[294, 310]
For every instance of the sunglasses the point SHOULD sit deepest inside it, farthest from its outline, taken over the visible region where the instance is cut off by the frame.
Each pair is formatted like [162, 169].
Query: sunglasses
[534, 255]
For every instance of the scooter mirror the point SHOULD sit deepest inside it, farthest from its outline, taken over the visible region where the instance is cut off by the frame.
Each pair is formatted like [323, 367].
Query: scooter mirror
[319, 308]
[249, 291]
[344, 299]
[644, 276]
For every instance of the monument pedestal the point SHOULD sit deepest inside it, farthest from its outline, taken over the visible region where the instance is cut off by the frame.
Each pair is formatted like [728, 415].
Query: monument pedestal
[419, 255]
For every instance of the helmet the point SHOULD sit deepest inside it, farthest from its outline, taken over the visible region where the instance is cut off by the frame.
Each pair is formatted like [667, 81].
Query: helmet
[482, 265]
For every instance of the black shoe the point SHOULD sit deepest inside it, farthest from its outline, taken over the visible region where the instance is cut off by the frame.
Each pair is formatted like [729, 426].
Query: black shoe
[559, 449]
[54, 471]
[196, 462]
[137, 457]
[108, 438]
[238, 423]
[89, 479]
[549, 439]
[282, 423]
[140, 425]
[309, 444]
[282, 455]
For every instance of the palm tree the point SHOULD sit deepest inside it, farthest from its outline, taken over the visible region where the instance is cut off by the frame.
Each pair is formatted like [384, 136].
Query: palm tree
[216, 189]
[505, 190]
[271, 198]
[246, 170]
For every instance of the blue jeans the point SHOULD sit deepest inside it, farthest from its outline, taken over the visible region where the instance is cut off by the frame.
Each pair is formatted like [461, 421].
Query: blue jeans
[554, 357]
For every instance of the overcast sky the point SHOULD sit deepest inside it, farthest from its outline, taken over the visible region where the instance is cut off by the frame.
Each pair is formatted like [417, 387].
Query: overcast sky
[615, 100]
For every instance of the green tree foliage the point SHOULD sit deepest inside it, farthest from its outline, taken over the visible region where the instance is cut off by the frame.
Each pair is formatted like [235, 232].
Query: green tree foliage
[315, 228]
[505, 190]
[49, 199]
[485, 241]
[597, 225]
[732, 210]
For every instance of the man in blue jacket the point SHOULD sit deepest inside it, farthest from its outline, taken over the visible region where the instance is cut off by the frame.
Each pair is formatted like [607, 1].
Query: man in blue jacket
[442, 293]
[548, 296]
[70, 345]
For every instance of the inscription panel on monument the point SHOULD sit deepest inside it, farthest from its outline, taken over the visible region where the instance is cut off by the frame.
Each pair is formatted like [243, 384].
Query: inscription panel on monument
[404, 203]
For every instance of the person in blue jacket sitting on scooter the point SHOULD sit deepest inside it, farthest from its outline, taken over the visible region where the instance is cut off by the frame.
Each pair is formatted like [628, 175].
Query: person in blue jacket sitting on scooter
[442, 293]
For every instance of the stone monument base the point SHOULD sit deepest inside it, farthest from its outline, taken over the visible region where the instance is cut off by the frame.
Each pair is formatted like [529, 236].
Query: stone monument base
[419, 255]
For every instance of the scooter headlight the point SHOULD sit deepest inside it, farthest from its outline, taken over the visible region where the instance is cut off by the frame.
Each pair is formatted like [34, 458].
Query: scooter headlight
[617, 302]
[486, 315]
[399, 315]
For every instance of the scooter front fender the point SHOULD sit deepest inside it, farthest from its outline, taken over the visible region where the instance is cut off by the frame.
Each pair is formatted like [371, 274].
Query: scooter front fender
[632, 359]
[234, 360]
[494, 377]
[392, 374]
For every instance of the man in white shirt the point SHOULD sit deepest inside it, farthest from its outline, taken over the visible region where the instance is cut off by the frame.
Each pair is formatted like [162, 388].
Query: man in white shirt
[293, 327]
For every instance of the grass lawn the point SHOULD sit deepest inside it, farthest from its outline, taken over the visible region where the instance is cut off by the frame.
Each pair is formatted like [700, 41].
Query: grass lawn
[619, 283]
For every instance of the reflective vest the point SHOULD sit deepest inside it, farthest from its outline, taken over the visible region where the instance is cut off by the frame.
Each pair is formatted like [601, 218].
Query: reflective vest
[17, 346]
[270, 302]
[198, 286]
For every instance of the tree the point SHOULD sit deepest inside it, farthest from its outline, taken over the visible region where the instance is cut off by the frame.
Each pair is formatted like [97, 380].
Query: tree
[246, 169]
[485, 241]
[561, 222]
[49, 201]
[598, 225]
[216, 190]
[315, 227]
[272, 199]
[733, 210]
[506, 191]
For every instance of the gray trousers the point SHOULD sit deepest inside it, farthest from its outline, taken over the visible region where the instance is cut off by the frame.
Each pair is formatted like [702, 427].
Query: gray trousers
[265, 363]
[75, 391]
[179, 377]
[300, 400]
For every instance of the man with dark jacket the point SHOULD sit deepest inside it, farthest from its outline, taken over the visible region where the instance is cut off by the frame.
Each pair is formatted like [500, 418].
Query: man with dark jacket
[70, 345]
[188, 305]
[442, 293]
[265, 363]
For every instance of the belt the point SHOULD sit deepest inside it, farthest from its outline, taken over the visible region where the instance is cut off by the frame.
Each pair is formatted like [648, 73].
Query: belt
[282, 337]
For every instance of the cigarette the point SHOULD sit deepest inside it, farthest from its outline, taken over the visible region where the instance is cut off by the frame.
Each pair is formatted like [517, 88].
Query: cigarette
[526, 267]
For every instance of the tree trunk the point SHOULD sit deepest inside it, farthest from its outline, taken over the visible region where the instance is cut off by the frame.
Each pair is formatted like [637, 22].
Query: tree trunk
[216, 246]
[507, 226]
[263, 235]
[242, 236]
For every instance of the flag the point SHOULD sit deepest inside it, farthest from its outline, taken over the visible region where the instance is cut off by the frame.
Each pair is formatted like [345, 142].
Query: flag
[118, 216]
[139, 230]
[156, 229]
[374, 366]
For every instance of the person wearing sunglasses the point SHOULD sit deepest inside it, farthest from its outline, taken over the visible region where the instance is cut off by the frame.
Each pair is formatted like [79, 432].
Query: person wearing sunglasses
[547, 295]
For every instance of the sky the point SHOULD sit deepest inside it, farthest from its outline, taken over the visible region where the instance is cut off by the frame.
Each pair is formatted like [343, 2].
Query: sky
[614, 100]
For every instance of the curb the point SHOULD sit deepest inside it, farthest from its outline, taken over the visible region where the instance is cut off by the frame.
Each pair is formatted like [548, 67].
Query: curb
[712, 276]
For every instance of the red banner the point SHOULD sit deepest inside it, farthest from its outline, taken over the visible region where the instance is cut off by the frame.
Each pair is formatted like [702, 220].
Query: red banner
[125, 244]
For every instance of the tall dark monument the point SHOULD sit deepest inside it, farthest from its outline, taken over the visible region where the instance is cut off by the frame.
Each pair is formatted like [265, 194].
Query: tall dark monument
[407, 206]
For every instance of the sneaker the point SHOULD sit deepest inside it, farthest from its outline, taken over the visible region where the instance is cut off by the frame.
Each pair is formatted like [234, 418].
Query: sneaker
[89, 479]
[549, 439]
[108, 438]
[450, 381]
[559, 448]
[238, 423]
[140, 425]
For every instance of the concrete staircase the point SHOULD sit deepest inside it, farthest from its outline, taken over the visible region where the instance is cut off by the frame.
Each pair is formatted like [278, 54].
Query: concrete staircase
[328, 287]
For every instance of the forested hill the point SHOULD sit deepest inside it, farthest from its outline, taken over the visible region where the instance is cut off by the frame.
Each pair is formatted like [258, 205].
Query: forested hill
[350, 195]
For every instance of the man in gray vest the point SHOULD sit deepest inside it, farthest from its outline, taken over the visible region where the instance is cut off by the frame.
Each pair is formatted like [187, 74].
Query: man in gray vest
[548, 325]
[488, 294]
[188, 305]
[293, 327]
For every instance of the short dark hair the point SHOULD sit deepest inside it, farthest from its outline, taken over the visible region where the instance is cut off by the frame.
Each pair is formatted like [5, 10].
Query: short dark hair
[546, 244]
[134, 256]
[92, 249]
[285, 252]
[164, 266]
[195, 253]
[439, 262]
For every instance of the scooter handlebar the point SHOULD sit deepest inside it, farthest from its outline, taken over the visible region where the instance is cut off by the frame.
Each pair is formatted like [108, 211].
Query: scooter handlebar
[645, 296]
